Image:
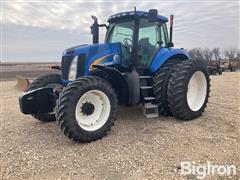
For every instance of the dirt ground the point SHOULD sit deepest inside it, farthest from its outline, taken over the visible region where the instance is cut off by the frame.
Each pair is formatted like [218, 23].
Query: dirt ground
[8, 71]
[136, 148]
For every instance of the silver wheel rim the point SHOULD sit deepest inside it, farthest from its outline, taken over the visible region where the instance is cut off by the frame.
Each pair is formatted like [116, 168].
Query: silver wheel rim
[197, 91]
[100, 114]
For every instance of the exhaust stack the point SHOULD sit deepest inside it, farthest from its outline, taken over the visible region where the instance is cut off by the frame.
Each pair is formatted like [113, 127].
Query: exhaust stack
[95, 30]
[171, 31]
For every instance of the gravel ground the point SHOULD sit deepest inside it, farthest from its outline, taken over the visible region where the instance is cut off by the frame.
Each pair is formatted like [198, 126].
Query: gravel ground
[136, 148]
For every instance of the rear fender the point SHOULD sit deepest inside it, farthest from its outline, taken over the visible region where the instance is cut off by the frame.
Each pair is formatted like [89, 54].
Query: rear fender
[164, 54]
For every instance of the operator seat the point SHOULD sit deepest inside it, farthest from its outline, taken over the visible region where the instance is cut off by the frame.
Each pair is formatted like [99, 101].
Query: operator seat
[143, 44]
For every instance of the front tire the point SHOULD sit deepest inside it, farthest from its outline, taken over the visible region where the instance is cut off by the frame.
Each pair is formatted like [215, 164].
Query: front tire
[86, 109]
[188, 90]
[46, 80]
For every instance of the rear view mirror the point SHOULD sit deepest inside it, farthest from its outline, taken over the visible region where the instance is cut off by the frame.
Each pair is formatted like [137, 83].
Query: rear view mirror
[170, 44]
[152, 15]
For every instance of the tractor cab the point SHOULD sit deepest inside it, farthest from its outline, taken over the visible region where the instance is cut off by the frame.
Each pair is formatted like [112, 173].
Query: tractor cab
[140, 34]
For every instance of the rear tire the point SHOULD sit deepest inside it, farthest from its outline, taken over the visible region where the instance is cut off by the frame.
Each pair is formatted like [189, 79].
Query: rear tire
[44, 81]
[188, 89]
[86, 109]
[160, 86]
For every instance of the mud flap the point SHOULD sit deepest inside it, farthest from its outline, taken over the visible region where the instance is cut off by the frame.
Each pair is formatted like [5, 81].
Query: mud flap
[133, 87]
[37, 101]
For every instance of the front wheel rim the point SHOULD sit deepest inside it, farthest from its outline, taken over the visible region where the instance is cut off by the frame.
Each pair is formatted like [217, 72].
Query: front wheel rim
[95, 118]
[197, 91]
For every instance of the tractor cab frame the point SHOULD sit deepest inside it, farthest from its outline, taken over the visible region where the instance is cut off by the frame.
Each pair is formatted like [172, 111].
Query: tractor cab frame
[141, 35]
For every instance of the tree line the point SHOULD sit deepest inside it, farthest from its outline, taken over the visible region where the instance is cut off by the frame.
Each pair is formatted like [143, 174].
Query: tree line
[215, 54]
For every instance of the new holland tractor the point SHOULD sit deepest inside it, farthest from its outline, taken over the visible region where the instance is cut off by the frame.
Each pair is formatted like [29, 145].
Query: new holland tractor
[136, 65]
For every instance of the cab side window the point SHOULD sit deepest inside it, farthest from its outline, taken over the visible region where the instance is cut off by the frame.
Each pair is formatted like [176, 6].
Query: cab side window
[148, 41]
[163, 37]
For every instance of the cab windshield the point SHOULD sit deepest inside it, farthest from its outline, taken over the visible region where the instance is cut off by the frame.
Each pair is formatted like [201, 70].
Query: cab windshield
[121, 32]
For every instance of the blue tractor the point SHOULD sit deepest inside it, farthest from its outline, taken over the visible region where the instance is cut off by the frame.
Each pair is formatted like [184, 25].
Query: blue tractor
[136, 65]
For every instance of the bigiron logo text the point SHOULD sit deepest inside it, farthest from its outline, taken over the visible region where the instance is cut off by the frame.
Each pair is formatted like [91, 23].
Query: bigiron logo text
[202, 170]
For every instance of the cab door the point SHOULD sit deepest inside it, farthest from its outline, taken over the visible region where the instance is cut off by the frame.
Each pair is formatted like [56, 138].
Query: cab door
[151, 37]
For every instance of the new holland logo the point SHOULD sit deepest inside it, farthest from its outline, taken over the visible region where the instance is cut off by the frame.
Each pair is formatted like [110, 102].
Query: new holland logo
[116, 59]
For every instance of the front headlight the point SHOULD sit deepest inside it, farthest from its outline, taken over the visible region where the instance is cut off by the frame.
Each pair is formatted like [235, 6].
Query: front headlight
[73, 70]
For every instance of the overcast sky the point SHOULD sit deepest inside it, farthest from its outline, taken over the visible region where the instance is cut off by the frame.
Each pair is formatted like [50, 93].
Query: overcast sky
[40, 30]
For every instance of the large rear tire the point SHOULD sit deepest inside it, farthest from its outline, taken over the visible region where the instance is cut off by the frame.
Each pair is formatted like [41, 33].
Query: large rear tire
[86, 109]
[46, 80]
[188, 89]
[160, 86]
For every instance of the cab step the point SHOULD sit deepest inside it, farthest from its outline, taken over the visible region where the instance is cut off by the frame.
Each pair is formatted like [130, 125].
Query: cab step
[145, 77]
[145, 87]
[149, 98]
[150, 110]
[150, 106]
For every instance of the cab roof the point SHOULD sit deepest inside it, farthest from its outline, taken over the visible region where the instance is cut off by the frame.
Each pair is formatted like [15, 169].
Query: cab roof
[129, 14]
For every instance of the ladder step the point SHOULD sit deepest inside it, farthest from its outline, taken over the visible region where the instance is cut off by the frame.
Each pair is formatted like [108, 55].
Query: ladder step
[145, 77]
[149, 98]
[150, 110]
[149, 105]
[146, 87]
[153, 115]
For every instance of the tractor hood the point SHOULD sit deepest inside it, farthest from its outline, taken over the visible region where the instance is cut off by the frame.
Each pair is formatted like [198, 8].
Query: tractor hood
[82, 58]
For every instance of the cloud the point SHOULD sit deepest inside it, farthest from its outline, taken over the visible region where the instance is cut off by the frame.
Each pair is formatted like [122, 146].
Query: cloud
[197, 23]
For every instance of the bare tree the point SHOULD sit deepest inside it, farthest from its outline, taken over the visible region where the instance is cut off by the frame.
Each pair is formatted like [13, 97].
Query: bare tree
[238, 55]
[207, 54]
[196, 53]
[216, 53]
[232, 53]
[191, 53]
